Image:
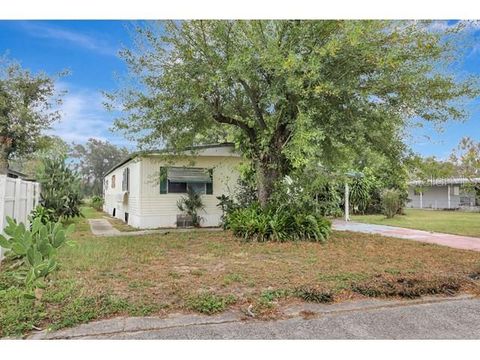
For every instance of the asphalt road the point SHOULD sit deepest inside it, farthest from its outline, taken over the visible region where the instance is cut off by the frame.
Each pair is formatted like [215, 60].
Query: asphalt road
[446, 319]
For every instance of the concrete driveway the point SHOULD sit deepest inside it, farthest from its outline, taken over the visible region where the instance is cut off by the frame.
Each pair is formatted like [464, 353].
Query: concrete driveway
[454, 241]
[433, 318]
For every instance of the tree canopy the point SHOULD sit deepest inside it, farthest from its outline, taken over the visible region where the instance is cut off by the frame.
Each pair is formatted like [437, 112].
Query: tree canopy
[95, 157]
[27, 107]
[289, 93]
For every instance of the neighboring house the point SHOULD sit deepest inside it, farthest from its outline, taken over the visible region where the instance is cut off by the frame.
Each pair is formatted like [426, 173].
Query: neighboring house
[442, 194]
[143, 190]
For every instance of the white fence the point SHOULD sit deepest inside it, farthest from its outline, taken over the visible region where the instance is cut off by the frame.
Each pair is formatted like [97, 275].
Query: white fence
[17, 199]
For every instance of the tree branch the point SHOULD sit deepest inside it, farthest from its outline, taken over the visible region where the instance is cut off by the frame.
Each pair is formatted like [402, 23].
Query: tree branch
[254, 100]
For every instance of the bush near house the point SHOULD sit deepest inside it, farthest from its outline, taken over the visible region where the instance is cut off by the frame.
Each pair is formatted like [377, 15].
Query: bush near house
[97, 202]
[391, 202]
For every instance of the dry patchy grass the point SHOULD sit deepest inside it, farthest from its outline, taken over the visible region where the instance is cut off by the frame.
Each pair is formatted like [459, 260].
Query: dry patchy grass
[161, 273]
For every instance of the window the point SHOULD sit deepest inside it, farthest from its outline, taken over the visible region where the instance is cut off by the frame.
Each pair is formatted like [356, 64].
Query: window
[113, 181]
[126, 180]
[456, 190]
[176, 180]
[417, 191]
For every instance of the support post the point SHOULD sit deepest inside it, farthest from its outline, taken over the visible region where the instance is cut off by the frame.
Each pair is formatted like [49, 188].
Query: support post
[448, 196]
[421, 199]
[347, 209]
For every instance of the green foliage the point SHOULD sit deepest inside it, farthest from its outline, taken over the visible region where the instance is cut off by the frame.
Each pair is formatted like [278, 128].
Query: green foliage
[95, 158]
[60, 188]
[278, 224]
[209, 303]
[35, 249]
[45, 215]
[191, 205]
[391, 202]
[27, 107]
[290, 93]
[97, 202]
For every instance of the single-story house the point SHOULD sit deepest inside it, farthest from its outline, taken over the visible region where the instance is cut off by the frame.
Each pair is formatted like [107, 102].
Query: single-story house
[441, 194]
[143, 190]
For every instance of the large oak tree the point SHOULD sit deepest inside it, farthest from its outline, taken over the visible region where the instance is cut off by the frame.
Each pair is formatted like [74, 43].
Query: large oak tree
[288, 92]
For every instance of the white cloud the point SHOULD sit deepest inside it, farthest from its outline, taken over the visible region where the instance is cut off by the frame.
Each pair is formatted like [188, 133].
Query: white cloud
[84, 117]
[46, 31]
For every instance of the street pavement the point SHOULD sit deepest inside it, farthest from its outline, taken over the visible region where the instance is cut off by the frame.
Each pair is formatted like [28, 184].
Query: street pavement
[431, 318]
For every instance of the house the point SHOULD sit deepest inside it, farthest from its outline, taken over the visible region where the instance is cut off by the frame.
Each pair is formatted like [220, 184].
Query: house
[143, 190]
[442, 193]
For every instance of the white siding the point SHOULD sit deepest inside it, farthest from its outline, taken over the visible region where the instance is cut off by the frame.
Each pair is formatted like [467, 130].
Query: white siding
[148, 208]
[112, 196]
[434, 197]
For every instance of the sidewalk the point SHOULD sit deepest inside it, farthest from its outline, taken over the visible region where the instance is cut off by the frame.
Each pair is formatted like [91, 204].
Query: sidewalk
[430, 318]
[454, 241]
[103, 227]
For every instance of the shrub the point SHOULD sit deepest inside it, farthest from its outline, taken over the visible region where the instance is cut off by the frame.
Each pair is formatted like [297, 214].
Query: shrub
[391, 202]
[191, 205]
[34, 249]
[209, 303]
[45, 215]
[97, 202]
[60, 188]
[278, 224]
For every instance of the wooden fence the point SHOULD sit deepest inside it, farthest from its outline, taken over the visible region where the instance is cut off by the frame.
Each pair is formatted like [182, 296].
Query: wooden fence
[17, 199]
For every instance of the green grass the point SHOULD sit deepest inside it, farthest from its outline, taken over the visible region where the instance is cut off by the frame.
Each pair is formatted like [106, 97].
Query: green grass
[450, 222]
[208, 272]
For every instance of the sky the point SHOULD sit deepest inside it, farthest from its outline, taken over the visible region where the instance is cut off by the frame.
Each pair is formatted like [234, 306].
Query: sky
[89, 50]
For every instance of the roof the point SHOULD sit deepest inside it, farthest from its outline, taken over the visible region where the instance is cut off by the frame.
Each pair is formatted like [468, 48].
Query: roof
[441, 182]
[15, 174]
[161, 151]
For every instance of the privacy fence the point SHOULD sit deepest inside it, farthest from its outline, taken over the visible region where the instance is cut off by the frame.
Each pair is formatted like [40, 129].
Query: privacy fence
[17, 199]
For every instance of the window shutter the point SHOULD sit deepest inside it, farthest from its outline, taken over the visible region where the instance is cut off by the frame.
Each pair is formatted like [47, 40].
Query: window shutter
[127, 180]
[163, 180]
[209, 186]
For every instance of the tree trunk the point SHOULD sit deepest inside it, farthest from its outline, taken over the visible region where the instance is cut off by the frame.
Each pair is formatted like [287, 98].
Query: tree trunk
[5, 144]
[267, 176]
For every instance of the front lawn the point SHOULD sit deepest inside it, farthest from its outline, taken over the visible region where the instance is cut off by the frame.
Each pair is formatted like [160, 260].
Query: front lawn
[450, 222]
[211, 271]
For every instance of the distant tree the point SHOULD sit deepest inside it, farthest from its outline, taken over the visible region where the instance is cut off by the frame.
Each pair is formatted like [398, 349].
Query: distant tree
[430, 168]
[27, 107]
[48, 146]
[467, 157]
[95, 158]
[289, 92]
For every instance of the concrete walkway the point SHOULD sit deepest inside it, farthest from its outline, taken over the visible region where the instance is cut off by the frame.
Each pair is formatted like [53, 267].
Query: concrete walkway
[103, 227]
[431, 318]
[454, 241]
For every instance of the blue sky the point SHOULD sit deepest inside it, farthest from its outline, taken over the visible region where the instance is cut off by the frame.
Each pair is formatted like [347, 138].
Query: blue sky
[88, 49]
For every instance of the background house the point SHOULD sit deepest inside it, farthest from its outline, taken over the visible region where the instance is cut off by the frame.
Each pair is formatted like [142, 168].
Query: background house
[442, 193]
[144, 189]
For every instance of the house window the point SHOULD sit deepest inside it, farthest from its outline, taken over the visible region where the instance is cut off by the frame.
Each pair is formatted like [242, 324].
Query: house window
[456, 190]
[417, 191]
[113, 181]
[176, 180]
[126, 180]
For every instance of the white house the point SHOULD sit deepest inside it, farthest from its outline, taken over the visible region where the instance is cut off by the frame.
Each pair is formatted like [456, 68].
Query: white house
[441, 194]
[143, 190]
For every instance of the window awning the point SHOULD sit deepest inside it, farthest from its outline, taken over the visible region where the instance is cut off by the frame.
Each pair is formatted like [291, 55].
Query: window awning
[189, 175]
